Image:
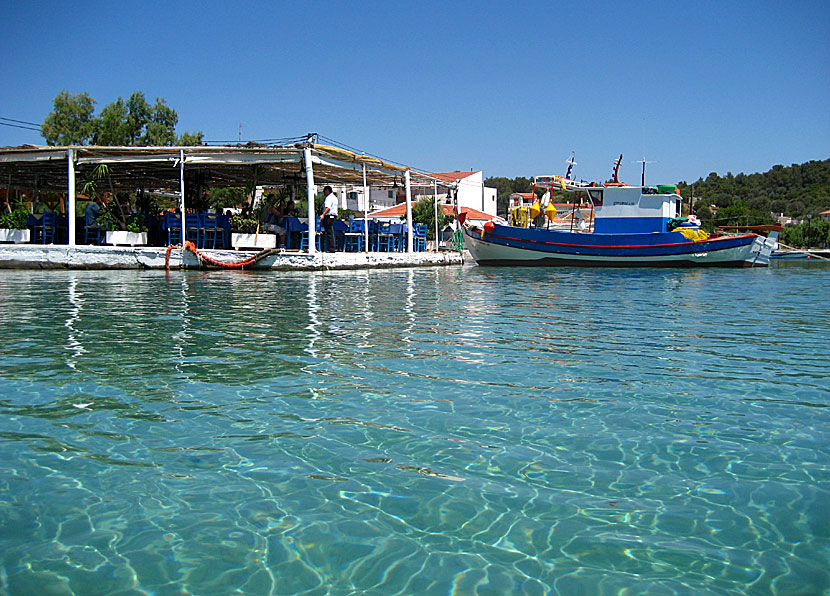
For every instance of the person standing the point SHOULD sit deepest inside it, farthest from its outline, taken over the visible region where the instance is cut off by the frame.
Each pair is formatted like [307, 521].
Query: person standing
[328, 216]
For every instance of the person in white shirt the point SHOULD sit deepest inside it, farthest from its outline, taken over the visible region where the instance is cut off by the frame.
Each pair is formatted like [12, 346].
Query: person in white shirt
[328, 216]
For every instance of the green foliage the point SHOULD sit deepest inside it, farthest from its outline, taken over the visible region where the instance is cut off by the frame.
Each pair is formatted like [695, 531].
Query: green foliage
[423, 212]
[71, 122]
[16, 220]
[797, 191]
[190, 139]
[133, 122]
[244, 225]
[136, 224]
[814, 233]
[221, 198]
[505, 187]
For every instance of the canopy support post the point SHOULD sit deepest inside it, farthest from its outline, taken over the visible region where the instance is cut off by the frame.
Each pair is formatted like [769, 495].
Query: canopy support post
[365, 212]
[409, 229]
[312, 224]
[435, 199]
[70, 216]
[181, 193]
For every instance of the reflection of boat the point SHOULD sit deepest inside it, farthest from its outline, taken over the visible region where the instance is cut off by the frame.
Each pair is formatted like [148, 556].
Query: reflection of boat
[612, 225]
[789, 255]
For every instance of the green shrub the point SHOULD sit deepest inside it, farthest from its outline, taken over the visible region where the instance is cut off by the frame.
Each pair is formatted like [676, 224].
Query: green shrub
[16, 220]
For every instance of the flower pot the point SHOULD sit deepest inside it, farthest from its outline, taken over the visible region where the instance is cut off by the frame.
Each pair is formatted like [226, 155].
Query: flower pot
[16, 236]
[124, 238]
[253, 240]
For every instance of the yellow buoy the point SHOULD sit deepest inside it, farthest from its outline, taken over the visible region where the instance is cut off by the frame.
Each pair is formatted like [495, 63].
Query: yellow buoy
[550, 211]
[535, 210]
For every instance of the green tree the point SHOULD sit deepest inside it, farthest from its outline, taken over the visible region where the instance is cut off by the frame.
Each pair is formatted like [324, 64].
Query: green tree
[191, 138]
[112, 126]
[120, 123]
[71, 122]
[506, 187]
[228, 197]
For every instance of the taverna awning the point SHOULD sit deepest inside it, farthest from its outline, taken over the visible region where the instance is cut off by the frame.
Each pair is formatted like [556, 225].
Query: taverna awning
[45, 168]
[50, 168]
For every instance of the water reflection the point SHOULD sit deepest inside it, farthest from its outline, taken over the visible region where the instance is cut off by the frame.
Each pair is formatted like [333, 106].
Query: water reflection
[73, 340]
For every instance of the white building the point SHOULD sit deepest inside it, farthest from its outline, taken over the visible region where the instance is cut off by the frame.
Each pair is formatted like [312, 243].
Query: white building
[469, 191]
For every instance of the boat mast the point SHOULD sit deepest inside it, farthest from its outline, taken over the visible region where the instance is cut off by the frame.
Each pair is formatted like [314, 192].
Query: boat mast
[617, 169]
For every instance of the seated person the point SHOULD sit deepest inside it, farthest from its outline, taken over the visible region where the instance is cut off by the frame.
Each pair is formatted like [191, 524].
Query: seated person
[290, 210]
[273, 219]
[91, 213]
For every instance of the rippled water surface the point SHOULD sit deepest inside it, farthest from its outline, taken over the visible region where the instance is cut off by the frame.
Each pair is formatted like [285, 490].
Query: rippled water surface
[429, 431]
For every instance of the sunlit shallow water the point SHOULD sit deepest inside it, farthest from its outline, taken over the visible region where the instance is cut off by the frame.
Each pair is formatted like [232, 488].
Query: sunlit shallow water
[428, 431]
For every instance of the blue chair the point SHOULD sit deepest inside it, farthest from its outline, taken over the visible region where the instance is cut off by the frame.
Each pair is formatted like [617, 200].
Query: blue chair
[420, 238]
[340, 228]
[293, 228]
[355, 237]
[93, 234]
[46, 230]
[374, 226]
[193, 227]
[384, 240]
[397, 237]
[223, 223]
[173, 224]
[212, 231]
[304, 240]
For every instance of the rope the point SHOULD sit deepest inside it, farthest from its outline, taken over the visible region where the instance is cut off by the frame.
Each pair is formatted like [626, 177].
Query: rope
[203, 258]
[810, 254]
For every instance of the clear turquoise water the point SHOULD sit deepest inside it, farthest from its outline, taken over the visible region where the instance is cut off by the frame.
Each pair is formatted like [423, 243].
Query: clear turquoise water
[429, 431]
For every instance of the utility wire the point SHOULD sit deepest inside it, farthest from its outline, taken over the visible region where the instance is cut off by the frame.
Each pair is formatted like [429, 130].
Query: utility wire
[20, 121]
[19, 125]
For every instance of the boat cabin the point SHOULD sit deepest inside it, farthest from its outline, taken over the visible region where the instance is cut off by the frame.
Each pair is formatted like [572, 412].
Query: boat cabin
[618, 208]
[633, 209]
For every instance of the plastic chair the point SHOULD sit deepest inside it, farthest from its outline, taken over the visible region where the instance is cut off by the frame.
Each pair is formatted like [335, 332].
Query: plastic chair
[355, 236]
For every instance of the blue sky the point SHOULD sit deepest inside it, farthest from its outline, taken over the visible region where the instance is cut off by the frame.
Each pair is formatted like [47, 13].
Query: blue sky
[507, 88]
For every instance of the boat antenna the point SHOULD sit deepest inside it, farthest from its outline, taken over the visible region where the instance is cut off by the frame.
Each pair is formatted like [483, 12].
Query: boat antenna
[644, 162]
[617, 169]
[571, 163]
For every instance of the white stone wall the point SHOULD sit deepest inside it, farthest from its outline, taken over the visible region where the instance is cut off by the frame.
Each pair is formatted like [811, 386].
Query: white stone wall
[118, 257]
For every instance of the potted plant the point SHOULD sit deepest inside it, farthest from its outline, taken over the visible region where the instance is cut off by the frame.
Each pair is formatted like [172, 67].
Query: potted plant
[13, 226]
[245, 234]
[135, 233]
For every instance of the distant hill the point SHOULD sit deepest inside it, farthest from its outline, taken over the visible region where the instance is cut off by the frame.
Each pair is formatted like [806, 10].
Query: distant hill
[797, 190]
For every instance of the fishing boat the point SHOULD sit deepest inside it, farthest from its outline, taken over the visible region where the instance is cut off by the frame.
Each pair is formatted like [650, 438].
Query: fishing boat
[609, 225]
